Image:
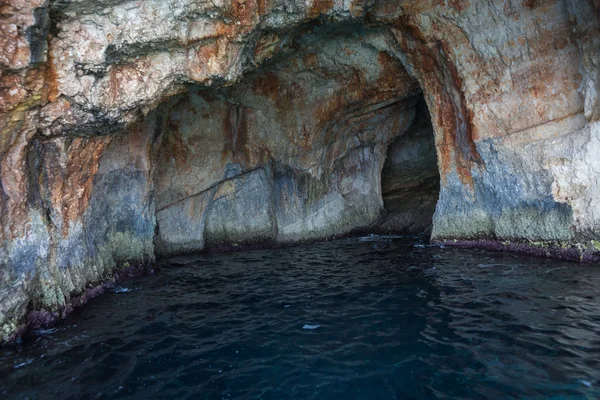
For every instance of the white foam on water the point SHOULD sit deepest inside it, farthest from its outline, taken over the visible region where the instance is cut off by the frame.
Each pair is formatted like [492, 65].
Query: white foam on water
[29, 361]
[311, 327]
[424, 246]
[45, 332]
[491, 265]
[373, 237]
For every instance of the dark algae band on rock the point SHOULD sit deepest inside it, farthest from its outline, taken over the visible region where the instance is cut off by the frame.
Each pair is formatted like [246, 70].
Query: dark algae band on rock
[569, 252]
[134, 130]
[43, 318]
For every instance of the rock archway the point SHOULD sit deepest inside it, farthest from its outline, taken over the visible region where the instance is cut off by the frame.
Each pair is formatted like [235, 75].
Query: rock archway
[295, 150]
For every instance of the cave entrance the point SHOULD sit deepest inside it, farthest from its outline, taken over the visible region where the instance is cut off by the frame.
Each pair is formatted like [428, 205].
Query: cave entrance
[330, 137]
[410, 179]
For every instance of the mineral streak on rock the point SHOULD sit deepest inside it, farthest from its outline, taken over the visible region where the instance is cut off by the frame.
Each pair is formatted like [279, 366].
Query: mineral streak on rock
[129, 129]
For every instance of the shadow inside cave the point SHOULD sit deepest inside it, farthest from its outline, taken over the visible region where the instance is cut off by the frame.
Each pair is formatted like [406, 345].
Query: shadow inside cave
[410, 178]
[331, 137]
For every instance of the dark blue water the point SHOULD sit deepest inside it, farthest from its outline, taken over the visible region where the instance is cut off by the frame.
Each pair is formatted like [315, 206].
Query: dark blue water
[397, 321]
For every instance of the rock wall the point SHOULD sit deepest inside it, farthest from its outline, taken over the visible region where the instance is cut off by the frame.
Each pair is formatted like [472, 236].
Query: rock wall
[89, 217]
[292, 153]
[513, 95]
[129, 128]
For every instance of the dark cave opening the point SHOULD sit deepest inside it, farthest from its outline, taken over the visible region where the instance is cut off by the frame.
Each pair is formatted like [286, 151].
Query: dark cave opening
[410, 179]
[308, 147]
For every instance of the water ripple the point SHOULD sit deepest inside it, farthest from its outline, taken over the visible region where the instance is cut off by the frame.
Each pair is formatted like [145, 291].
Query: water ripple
[370, 318]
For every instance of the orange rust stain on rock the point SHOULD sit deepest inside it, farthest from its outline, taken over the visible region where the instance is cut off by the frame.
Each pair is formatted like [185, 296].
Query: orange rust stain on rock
[35, 79]
[263, 154]
[140, 146]
[51, 91]
[458, 5]
[267, 85]
[328, 111]
[466, 116]
[235, 128]
[83, 161]
[546, 83]
[244, 11]
[577, 78]
[306, 138]
[240, 149]
[358, 7]
[561, 43]
[286, 97]
[263, 6]
[220, 29]
[208, 59]
[442, 84]
[358, 92]
[17, 89]
[411, 29]
[241, 137]
[530, 3]
[114, 83]
[312, 60]
[266, 46]
[320, 7]
[393, 76]
[13, 184]
[175, 148]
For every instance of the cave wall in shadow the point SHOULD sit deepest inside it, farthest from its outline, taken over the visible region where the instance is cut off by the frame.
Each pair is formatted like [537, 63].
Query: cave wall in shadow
[410, 178]
[294, 152]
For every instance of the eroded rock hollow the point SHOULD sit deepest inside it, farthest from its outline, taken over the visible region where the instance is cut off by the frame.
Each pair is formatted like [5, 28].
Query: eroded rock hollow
[134, 129]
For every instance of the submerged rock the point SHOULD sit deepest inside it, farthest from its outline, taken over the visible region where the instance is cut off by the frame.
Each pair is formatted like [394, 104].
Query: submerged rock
[129, 129]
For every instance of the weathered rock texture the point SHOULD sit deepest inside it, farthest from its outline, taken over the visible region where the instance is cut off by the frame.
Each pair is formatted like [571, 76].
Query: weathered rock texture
[294, 152]
[129, 128]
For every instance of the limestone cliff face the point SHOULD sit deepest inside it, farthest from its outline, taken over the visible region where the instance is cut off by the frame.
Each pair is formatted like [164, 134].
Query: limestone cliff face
[135, 128]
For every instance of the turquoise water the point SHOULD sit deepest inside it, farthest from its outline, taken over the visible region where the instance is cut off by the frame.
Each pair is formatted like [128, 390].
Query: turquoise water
[367, 318]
